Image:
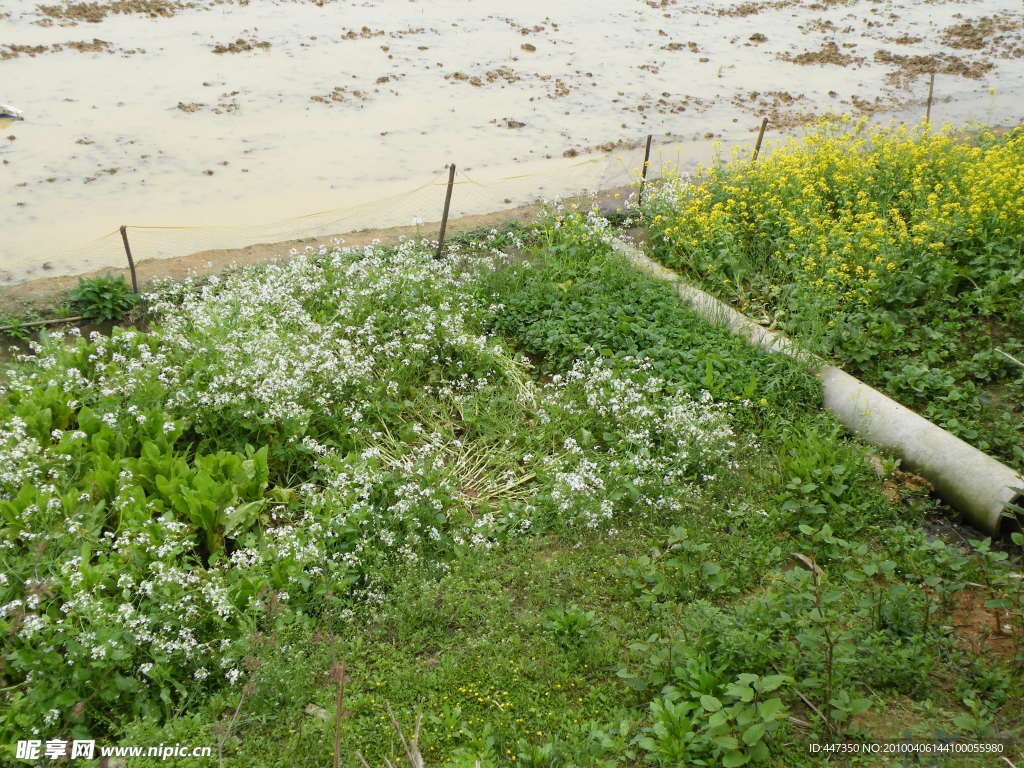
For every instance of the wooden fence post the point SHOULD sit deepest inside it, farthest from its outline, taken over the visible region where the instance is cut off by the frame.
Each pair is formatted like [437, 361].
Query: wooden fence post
[444, 215]
[131, 261]
[643, 173]
[760, 138]
[931, 90]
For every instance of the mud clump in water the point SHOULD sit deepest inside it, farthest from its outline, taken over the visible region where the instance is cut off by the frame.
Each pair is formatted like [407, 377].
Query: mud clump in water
[13, 50]
[910, 67]
[783, 109]
[96, 46]
[504, 74]
[100, 172]
[240, 46]
[750, 9]
[827, 54]
[364, 33]
[990, 33]
[96, 12]
[340, 94]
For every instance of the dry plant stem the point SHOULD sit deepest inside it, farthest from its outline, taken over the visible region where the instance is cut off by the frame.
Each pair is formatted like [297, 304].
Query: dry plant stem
[802, 724]
[411, 748]
[829, 642]
[806, 701]
[227, 732]
[339, 711]
[1010, 357]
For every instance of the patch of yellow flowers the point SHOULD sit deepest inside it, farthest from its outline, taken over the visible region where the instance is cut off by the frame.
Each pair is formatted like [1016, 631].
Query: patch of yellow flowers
[843, 210]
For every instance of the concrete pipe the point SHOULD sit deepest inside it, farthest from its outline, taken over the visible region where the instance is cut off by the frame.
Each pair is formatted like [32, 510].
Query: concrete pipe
[972, 482]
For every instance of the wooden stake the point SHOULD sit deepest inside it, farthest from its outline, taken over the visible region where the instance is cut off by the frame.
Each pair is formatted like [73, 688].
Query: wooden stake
[643, 174]
[760, 138]
[931, 90]
[444, 215]
[131, 261]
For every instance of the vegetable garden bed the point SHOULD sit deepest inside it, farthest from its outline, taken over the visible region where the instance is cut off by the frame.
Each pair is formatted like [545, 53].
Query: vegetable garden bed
[535, 500]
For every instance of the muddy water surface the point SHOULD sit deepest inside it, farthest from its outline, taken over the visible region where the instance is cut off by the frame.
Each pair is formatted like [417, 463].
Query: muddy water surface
[242, 117]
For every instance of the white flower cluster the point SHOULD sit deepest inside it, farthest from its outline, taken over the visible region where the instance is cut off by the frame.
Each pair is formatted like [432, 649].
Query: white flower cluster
[580, 226]
[639, 445]
[21, 457]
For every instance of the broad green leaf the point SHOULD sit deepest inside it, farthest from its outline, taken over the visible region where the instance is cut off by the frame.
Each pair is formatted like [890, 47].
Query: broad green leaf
[753, 734]
[770, 683]
[735, 758]
[710, 703]
[772, 709]
[741, 692]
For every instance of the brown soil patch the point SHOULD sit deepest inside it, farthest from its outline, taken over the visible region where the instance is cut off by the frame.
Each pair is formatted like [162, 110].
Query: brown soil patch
[977, 628]
[365, 33]
[503, 74]
[341, 94]
[100, 172]
[750, 9]
[96, 46]
[900, 483]
[818, 25]
[986, 32]
[557, 88]
[910, 67]
[13, 50]
[96, 12]
[48, 292]
[691, 46]
[218, 109]
[666, 104]
[827, 54]
[241, 46]
[783, 109]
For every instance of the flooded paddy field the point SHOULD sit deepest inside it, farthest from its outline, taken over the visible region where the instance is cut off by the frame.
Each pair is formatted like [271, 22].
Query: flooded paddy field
[242, 118]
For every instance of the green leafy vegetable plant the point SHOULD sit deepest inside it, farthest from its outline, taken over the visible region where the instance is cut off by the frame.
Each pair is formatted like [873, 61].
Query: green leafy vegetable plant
[103, 298]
